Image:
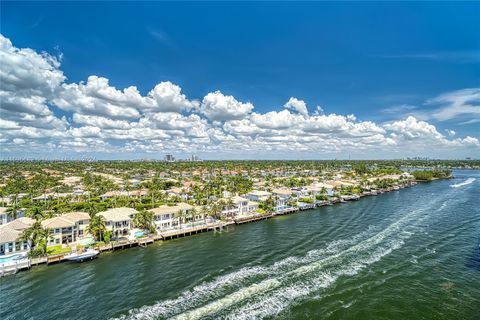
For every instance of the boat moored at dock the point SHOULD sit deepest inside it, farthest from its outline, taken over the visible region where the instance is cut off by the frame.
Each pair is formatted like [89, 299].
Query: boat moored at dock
[88, 254]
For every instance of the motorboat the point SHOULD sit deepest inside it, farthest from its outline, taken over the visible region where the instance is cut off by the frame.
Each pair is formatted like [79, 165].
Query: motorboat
[88, 254]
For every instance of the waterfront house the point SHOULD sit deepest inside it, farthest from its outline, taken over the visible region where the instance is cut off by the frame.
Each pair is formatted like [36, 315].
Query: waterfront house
[166, 216]
[282, 198]
[239, 206]
[258, 195]
[10, 234]
[66, 228]
[119, 220]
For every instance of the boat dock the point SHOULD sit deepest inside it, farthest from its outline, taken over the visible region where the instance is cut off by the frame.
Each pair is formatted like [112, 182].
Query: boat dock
[253, 218]
[179, 233]
[14, 267]
[287, 211]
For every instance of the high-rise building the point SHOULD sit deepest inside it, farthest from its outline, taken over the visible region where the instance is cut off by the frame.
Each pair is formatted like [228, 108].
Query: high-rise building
[169, 158]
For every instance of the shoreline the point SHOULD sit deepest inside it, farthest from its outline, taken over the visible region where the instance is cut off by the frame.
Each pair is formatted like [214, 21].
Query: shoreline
[186, 232]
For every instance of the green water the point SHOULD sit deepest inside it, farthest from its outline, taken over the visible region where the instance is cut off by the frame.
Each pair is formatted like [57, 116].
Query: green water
[411, 254]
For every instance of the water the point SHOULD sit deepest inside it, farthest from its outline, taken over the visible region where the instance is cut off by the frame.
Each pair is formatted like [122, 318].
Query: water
[411, 254]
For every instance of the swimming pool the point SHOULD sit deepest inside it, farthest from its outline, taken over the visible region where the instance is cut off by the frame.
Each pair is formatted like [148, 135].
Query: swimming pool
[139, 234]
[12, 257]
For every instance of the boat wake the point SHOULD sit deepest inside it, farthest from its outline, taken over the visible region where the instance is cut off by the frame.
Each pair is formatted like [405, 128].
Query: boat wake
[464, 183]
[264, 291]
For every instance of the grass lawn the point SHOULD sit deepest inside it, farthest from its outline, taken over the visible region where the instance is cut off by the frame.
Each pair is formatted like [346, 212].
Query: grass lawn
[57, 250]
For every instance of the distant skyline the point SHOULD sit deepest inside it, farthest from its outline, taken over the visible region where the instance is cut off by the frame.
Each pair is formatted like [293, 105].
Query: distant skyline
[121, 80]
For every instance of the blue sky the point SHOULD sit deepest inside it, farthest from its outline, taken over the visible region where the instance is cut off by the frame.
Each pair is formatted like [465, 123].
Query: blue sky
[379, 61]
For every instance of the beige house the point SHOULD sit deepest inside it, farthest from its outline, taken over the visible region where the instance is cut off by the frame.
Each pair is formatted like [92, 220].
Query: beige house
[66, 228]
[241, 206]
[258, 195]
[119, 220]
[165, 216]
[10, 234]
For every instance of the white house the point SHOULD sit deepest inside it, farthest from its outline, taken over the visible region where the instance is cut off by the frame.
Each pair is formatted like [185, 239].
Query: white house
[258, 195]
[282, 198]
[165, 216]
[66, 228]
[10, 234]
[119, 220]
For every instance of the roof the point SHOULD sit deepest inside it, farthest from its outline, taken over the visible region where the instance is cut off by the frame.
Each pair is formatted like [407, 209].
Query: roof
[8, 234]
[286, 192]
[21, 223]
[118, 214]
[77, 216]
[11, 231]
[259, 193]
[163, 209]
[237, 199]
[66, 220]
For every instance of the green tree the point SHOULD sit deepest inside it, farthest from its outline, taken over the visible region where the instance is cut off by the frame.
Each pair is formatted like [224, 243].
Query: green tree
[97, 227]
[145, 219]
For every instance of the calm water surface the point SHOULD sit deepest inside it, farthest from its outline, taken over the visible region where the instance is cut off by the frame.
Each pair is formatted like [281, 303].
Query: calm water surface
[411, 254]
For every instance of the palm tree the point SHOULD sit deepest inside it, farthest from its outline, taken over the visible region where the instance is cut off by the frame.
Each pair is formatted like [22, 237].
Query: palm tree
[179, 215]
[97, 226]
[37, 237]
[193, 212]
[35, 213]
[215, 209]
[204, 214]
[145, 220]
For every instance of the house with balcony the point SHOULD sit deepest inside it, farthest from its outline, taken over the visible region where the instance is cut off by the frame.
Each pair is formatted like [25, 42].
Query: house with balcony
[282, 197]
[10, 234]
[166, 217]
[119, 220]
[258, 195]
[67, 228]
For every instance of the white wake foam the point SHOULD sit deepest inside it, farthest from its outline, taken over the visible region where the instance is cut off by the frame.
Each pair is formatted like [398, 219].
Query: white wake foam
[262, 291]
[464, 183]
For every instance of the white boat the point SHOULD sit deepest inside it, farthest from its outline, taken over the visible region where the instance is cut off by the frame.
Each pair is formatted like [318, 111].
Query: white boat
[89, 254]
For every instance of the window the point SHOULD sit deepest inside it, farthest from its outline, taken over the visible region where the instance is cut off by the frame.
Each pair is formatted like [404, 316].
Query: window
[57, 230]
[25, 245]
[57, 241]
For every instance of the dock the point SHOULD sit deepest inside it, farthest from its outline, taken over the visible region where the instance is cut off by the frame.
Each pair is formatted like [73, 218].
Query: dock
[179, 233]
[287, 211]
[252, 218]
[14, 267]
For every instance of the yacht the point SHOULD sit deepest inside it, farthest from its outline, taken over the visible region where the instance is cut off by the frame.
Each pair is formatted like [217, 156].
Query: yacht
[88, 254]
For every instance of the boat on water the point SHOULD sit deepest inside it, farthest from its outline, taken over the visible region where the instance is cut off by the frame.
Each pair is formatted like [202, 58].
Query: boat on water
[88, 254]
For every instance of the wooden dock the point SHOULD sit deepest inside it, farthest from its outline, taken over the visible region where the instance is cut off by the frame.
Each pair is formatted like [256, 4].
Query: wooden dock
[179, 233]
[287, 211]
[253, 218]
[12, 268]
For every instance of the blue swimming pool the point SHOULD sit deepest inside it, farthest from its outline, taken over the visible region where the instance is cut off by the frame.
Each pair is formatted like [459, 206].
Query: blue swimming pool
[139, 234]
[12, 257]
